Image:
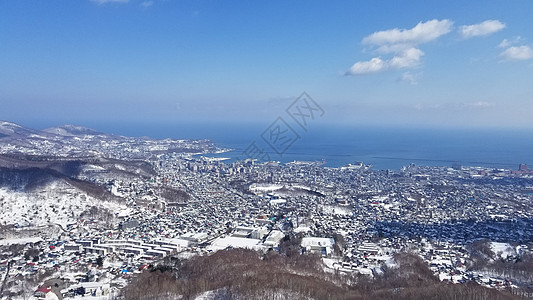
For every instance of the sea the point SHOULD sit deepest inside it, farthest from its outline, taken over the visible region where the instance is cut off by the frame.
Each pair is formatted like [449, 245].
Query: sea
[335, 145]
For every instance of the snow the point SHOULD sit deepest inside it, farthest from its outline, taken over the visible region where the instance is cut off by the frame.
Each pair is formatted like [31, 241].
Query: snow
[505, 249]
[336, 210]
[58, 203]
[89, 297]
[302, 229]
[114, 191]
[452, 278]
[278, 201]
[330, 262]
[235, 242]
[303, 187]
[125, 212]
[215, 159]
[389, 206]
[265, 188]
[120, 167]
[316, 241]
[444, 276]
[446, 262]
[391, 263]
[381, 198]
[93, 168]
[179, 242]
[364, 271]
[21, 241]
[209, 295]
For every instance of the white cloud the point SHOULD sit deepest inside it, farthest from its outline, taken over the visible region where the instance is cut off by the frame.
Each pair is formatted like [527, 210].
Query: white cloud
[517, 53]
[406, 59]
[509, 42]
[456, 106]
[478, 104]
[374, 65]
[110, 1]
[484, 28]
[505, 43]
[423, 32]
[410, 78]
[146, 4]
[400, 48]
[401, 43]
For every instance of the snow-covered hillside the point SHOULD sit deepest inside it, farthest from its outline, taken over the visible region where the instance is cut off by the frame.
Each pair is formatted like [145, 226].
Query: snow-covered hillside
[56, 203]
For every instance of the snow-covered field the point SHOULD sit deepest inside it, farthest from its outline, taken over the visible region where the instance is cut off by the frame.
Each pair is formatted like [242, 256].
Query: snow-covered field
[265, 188]
[503, 250]
[57, 203]
[20, 241]
[235, 242]
[336, 210]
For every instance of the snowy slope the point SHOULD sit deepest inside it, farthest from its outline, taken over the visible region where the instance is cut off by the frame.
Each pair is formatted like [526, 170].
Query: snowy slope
[56, 203]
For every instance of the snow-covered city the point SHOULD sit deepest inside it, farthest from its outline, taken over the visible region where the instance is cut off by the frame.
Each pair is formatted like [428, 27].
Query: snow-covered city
[89, 219]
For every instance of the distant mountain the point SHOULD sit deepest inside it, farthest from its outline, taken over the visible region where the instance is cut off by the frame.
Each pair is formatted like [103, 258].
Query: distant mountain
[15, 130]
[9, 129]
[72, 130]
[76, 141]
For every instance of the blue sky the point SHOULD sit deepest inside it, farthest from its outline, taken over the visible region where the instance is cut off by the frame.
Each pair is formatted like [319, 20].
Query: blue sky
[414, 63]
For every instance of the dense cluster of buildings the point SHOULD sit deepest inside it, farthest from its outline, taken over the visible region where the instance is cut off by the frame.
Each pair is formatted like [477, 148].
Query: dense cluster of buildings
[355, 217]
